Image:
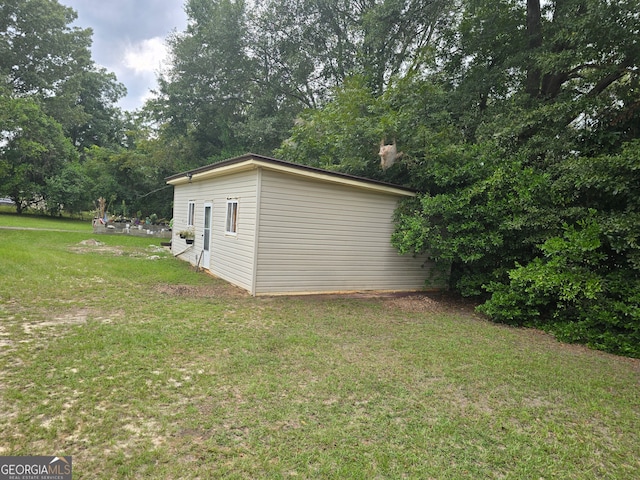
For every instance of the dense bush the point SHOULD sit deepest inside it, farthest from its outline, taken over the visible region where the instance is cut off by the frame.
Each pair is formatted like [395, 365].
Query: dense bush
[556, 247]
[572, 291]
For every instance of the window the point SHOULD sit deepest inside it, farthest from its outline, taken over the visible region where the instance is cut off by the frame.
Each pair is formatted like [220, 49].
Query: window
[191, 214]
[232, 217]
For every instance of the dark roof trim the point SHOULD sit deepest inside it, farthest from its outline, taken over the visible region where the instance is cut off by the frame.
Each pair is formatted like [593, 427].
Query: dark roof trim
[249, 156]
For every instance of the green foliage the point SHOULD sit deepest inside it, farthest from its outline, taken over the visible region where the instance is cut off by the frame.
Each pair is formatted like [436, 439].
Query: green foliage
[68, 190]
[32, 149]
[487, 222]
[570, 291]
[483, 215]
[585, 286]
[85, 106]
[133, 176]
[38, 47]
[242, 76]
[345, 135]
[515, 137]
[54, 102]
[204, 93]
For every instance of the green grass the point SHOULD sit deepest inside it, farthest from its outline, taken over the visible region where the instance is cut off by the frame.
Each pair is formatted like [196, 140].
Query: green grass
[8, 218]
[139, 367]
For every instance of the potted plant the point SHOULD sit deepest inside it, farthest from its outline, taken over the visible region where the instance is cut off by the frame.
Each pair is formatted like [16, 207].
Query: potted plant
[188, 235]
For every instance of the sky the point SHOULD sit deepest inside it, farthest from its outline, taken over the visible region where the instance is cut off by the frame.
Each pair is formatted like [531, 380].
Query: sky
[129, 39]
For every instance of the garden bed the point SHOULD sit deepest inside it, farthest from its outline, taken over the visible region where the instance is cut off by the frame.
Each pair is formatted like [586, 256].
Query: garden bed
[156, 231]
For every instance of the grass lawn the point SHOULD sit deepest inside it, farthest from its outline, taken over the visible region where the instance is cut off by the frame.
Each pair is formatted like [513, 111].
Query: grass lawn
[9, 218]
[139, 367]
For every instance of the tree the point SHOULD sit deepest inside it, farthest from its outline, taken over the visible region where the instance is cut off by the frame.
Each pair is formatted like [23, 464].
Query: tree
[545, 232]
[528, 73]
[203, 94]
[33, 148]
[133, 175]
[345, 134]
[53, 99]
[239, 79]
[537, 111]
[316, 44]
[38, 47]
[68, 190]
[85, 106]
[519, 136]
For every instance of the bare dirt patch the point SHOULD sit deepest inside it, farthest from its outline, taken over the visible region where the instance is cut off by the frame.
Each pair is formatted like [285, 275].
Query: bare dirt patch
[201, 291]
[4, 340]
[94, 246]
[437, 303]
[76, 317]
[415, 304]
[54, 325]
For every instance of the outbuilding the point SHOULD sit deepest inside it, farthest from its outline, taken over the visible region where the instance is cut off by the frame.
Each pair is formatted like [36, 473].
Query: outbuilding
[274, 227]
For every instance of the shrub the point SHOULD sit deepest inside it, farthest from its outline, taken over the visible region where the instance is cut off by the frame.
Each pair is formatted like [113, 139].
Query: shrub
[573, 292]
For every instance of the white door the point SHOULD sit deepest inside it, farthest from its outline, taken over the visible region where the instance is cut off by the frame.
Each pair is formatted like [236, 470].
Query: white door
[206, 237]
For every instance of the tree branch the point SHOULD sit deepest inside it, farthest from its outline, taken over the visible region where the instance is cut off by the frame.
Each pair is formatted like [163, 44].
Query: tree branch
[610, 79]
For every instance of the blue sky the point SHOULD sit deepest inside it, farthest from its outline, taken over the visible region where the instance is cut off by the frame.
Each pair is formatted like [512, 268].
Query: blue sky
[129, 39]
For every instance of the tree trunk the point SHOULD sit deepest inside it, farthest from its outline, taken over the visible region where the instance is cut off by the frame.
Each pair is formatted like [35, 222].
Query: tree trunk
[534, 34]
[18, 202]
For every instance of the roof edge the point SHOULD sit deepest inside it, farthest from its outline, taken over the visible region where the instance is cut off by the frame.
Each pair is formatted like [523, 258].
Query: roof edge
[285, 165]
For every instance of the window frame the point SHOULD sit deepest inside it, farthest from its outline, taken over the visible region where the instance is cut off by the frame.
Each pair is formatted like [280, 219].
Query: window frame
[231, 220]
[191, 213]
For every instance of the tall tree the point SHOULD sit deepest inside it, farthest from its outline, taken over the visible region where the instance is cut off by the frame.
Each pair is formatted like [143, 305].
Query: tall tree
[520, 137]
[539, 83]
[33, 148]
[240, 78]
[548, 92]
[53, 98]
[532, 71]
[85, 105]
[38, 46]
[204, 92]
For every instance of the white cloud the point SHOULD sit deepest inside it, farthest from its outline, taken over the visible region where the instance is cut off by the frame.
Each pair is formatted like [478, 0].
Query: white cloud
[128, 39]
[146, 57]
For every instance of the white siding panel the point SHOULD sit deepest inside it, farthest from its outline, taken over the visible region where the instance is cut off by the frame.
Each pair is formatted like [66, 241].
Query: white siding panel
[182, 194]
[231, 255]
[321, 237]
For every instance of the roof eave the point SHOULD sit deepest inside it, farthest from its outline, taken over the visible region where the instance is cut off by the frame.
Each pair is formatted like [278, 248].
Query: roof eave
[252, 161]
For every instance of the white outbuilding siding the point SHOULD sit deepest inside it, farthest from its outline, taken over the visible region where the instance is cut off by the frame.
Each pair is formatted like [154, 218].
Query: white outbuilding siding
[231, 255]
[319, 237]
[299, 229]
